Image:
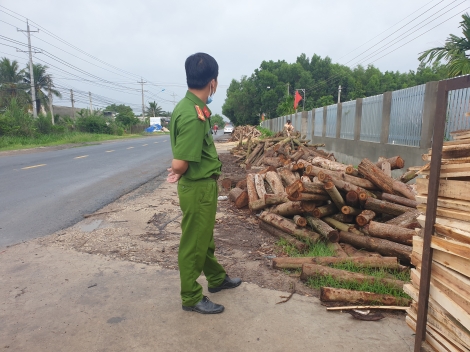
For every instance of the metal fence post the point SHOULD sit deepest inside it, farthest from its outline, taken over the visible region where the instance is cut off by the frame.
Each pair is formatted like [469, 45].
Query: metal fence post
[304, 124]
[386, 110]
[429, 113]
[358, 119]
[325, 111]
[339, 112]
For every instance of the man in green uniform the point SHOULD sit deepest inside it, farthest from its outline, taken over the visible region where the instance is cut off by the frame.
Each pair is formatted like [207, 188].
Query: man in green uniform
[197, 167]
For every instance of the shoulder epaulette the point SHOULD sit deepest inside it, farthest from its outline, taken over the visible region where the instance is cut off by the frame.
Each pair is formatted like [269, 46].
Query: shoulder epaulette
[200, 114]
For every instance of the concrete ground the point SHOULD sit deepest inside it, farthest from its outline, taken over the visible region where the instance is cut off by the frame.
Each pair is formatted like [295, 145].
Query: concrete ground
[61, 300]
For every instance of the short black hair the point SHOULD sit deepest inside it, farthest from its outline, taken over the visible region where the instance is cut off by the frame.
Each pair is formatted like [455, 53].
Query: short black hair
[288, 121]
[201, 68]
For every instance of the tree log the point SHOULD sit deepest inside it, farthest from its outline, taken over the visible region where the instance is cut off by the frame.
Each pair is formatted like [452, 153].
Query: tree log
[295, 187]
[381, 206]
[328, 164]
[360, 262]
[337, 249]
[396, 162]
[241, 184]
[336, 197]
[323, 229]
[384, 247]
[361, 182]
[251, 188]
[407, 220]
[342, 217]
[289, 209]
[386, 168]
[365, 217]
[399, 200]
[288, 226]
[350, 210]
[391, 232]
[305, 179]
[351, 251]
[299, 245]
[239, 197]
[352, 199]
[325, 210]
[330, 294]
[341, 226]
[272, 161]
[315, 270]
[346, 186]
[300, 221]
[274, 199]
[229, 183]
[317, 188]
[266, 170]
[287, 176]
[258, 149]
[382, 181]
[308, 197]
[259, 184]
[408, 176]
[273, 179]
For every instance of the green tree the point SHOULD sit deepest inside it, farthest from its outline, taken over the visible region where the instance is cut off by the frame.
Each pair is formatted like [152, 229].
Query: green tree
[218, 120]
[153, 109]
[286, 107]
[42, 81]
[11, 83]
[456, 51]
[124, 114]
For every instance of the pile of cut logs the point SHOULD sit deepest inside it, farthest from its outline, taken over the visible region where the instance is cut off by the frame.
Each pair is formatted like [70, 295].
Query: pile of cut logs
[242, 132]
[366, 216]
[276, 151]
[448, 320]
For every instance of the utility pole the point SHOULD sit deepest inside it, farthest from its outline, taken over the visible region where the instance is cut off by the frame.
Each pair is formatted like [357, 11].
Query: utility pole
[339, 94]
[143, 104]
[91, 103]
[50, 100]
[73, 108]
[303, 100]
[174, 101]
[31, 73]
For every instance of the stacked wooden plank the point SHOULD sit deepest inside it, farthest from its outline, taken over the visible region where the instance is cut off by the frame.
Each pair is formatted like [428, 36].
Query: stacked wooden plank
[448, 320]
[361, 212]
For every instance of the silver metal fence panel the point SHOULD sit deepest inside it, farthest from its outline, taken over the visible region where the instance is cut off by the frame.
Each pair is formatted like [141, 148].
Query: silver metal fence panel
[406, 116]
[298, 122]
[348, 116]
[371, 122]
[309, 125]
[458, 111]
[318, 122]
[331, 117]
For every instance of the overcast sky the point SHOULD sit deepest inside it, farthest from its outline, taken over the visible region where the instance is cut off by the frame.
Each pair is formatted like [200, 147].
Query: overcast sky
[151, 39]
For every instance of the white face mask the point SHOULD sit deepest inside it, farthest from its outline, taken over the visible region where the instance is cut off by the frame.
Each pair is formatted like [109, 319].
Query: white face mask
[209, 98]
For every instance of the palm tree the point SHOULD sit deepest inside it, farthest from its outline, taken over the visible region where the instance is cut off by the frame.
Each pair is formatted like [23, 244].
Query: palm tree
[11, 82]
[153, 109]
[456, 51]
[42, 81]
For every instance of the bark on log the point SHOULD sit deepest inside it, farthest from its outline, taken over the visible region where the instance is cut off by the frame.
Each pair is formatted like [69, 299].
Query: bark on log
[315, 270]
[308, 197]
[305, 179]
[288, 226]
[251, 188]
[266, 170]
[272, 161]
[257, 205]
[384, 247]
[407, 220]
[273, 179]
[360, 262]
[361, 182]
[299, 245]
[352, 199]
[323, 229]
[239, 197]
[386, 168]
[300, 221]
[342, 218]
[330, 294]
[350, 170]
[229, 183]
[287, 176]
[346, 186]
[289, 209]
[391, 232]
[350, 210]
[325, 210]
[396, 162]
[381, 206]
[408, 176]
[317, 188]
[382, 181]
[365, 217]
[275, 199]
[241, 184]
[328, 164]
[336, 197]
[399, 200]
[337, 250]
[351, 251]
[259, 184]
[341, 226]
[258, 149]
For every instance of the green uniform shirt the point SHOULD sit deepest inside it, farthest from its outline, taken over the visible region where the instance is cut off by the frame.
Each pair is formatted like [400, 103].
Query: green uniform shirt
[191, 139]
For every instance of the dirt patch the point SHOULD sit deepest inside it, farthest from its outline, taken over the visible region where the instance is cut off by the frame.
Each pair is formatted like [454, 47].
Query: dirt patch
[144, 226]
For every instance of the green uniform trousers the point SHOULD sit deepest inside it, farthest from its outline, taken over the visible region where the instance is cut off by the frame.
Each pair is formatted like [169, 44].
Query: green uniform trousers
[198, 202]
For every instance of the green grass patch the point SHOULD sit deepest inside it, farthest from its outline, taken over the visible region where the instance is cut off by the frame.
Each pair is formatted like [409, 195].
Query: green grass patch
[321, 249]
[265, 133]
[16, 142]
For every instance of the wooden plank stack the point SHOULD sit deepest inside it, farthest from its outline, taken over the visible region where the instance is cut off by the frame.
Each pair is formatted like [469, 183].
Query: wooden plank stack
[361, 212]
[448, 321]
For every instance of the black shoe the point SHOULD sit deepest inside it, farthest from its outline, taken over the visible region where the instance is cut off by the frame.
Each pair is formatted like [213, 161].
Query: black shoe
[228, 283]
[205, 306]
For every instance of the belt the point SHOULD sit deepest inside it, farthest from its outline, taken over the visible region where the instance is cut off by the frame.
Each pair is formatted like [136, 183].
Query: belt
[214, 177]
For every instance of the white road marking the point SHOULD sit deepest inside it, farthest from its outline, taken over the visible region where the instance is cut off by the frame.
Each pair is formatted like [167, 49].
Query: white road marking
[109, 151]
[81, 157]
[130, 148]
[32, 167]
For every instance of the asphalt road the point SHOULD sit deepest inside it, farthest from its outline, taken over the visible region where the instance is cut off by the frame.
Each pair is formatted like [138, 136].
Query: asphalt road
[43, 192]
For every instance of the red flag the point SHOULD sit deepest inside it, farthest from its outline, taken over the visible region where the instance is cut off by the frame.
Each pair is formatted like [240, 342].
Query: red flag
[297, 98]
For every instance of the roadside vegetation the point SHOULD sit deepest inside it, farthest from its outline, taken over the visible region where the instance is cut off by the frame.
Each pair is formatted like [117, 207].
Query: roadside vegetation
[321, 249]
